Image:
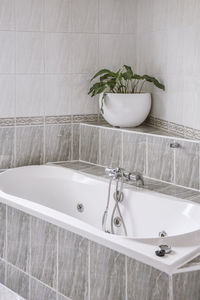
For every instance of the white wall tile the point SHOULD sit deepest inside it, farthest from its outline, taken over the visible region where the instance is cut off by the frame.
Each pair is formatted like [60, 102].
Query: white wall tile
[81, 102]
[84, 53]
[7, 52]
[29, 95]
[153, 62]
[30, 52]
[7, 98]
[84, 16]
[57, 53]
[117, 50]
[118, 16]
[57, 15]
[7, 14]
[57, 94]
[29, 15]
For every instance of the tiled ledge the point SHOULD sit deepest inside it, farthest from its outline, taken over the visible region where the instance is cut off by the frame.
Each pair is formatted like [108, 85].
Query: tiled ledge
[145, 128]
[149, 184]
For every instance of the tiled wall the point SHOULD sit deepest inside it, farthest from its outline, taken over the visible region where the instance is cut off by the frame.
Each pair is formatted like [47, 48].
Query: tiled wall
[149, 154]
[49, 51]
[168, 46]
[51, 48]
[28, 145]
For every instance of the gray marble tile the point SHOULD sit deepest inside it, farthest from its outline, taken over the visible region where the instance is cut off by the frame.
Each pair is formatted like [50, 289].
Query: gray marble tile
[186, 286]
[17, 281]
[72, 265]
[134, 152]
[160, 158]
[89, 144]
[6, 148]
[2, 271]
[44, 251]
[76, 136]
[107, 273]
[145, 282]
[187, 164]
[2, 229]
[110, 148]
[61, 297]
[58, 139]
[77, 165]
[18, 238]
[29, 145]
[41, 292]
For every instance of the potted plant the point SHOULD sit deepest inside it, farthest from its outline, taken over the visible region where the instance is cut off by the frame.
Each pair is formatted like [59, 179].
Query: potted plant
[122, 102]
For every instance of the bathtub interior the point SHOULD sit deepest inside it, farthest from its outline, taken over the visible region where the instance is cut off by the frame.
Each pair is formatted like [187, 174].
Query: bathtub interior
[145, 213]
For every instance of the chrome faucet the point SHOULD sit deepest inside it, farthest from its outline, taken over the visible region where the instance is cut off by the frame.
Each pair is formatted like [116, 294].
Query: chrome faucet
[117, 173]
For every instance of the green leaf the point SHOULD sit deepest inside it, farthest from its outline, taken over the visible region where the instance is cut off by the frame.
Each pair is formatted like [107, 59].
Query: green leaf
[103, 71]
[154, 81]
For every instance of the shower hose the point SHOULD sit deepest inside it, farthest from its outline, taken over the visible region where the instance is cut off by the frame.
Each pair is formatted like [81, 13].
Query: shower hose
[118, 195]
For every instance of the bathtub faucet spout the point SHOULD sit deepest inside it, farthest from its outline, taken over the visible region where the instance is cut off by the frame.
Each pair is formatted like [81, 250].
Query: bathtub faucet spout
[117, 173]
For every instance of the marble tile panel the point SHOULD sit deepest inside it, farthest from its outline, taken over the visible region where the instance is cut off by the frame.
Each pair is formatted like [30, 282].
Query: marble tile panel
[18, 238]
[7, 148]
[29, 145]
[134, 152]
[160, 156]
[72, 265]
[187, 164]
[41, 292]
[44, 251]
[7, 15]
[89, 150]
[186, 286]
[110, 148]
[145, 282]
[58, 141]
[107, 273]
[17, 281]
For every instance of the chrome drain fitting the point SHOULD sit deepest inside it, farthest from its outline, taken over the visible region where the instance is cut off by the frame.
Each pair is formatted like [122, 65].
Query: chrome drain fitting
[117, 222]
[80, 207]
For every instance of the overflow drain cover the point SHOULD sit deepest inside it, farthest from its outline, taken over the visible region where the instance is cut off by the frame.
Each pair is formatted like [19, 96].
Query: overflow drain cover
[80, 207]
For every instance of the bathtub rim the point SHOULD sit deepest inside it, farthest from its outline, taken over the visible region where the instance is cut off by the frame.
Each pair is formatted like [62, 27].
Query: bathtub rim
[129, 247]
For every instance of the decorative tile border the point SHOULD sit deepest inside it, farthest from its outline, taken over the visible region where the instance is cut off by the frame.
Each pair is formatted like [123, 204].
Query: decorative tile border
[170, 127]
[85, 118]
[27, 121]
[173, 128]
[40, 120]
[7, 122]
[58, 119]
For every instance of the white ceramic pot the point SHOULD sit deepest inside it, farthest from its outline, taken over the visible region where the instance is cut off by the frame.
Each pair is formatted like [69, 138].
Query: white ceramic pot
[126, 110]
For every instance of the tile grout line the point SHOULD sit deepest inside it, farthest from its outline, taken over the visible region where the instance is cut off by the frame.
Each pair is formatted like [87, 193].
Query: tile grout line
[30, 254]
[126, 278]
[57, 270]
[6, 246]
[89, 279]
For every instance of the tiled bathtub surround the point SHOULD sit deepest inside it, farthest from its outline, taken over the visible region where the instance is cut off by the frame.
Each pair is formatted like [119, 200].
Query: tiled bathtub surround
[64, 265]
[143, 149]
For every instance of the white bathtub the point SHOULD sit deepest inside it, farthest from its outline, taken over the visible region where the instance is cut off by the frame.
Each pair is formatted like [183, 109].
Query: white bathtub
[53, 193]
